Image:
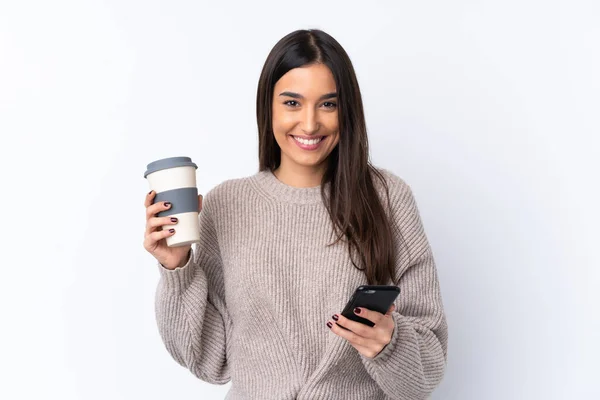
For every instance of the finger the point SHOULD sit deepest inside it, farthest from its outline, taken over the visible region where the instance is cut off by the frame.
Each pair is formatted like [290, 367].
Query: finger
[151, 239]
[148, 199]
[371, 315]
[348, 335]
[357, 328]
[391, 310]
[156, 223]
[155, 208]
[200, 202]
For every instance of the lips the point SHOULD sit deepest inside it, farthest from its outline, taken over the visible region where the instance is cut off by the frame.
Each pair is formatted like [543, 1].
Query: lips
[312, 143]
[308, 137]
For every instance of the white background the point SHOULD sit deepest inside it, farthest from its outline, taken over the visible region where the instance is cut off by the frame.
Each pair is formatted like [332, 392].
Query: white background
[489, 110]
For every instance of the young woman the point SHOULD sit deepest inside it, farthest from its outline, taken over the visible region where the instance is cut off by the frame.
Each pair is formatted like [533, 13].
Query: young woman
[257, 302]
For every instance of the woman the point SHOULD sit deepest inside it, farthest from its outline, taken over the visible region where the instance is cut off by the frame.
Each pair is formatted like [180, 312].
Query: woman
[282, 251]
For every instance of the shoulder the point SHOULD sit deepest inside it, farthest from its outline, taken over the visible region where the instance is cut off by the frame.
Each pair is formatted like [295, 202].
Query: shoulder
[403, 208]
[227, 193]
[405, 213]
[391, 178]
[401, 194]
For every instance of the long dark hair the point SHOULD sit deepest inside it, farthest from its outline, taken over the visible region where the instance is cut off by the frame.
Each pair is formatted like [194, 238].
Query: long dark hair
[354, 206]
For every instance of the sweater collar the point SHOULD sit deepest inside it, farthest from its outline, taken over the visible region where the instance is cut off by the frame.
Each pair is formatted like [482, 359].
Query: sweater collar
[270, 186]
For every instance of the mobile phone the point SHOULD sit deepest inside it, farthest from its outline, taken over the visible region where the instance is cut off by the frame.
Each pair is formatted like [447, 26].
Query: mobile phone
[373, 297]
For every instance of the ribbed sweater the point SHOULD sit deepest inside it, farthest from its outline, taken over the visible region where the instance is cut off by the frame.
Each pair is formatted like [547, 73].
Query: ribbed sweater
[251, 304]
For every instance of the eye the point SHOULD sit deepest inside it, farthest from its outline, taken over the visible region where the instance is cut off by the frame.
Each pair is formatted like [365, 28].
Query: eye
[329, 104]
[291, 103]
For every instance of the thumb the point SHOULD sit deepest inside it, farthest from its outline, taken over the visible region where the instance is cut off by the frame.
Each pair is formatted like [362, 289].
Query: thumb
[392, 308]
[199, 202]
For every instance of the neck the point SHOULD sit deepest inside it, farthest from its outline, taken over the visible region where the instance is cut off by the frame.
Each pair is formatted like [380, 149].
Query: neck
[300, 176]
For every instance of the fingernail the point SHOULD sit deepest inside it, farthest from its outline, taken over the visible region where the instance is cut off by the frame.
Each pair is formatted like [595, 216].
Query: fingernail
[335, 317]
[167, 204]
[357, 310]
[329, 325]
[150, 192]
[171, 230]
[173, 219]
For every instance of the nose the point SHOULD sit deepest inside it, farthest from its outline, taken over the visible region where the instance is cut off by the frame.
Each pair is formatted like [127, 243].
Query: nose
[310, 123]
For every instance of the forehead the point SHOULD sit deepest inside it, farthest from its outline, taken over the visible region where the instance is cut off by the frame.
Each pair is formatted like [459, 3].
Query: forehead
[311, 79]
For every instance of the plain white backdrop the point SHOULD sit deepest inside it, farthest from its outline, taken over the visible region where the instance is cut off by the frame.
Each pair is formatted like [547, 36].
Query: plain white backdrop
[488, 109]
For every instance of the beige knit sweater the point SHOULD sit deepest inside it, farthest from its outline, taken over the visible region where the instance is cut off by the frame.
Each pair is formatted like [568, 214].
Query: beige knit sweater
[252, 303]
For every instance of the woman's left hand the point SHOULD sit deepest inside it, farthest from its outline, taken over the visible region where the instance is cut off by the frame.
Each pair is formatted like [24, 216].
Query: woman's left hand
[369, 341]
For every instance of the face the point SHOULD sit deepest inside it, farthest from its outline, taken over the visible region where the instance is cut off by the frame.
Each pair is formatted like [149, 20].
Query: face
[305, 117]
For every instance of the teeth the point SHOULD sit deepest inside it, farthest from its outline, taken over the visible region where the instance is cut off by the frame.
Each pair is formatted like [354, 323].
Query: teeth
[308, 142]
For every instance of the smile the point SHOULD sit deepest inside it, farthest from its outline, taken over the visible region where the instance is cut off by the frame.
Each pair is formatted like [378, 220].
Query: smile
[308, 144]
[308, 141]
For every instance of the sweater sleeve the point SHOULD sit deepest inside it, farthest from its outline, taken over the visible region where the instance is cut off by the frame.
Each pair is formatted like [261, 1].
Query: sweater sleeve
[412, 365]
[191, 314]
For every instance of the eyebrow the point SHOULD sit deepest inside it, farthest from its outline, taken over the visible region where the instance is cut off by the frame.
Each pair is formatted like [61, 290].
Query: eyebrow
[299, 96]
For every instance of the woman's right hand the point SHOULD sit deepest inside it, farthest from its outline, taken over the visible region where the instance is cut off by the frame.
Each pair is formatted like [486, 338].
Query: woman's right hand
[155, 237]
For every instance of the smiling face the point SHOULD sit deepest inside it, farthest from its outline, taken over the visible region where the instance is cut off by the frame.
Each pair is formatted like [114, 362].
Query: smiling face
[305, 117]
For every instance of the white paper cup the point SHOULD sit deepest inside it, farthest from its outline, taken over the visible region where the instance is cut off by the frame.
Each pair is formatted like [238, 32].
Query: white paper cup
[174, 180]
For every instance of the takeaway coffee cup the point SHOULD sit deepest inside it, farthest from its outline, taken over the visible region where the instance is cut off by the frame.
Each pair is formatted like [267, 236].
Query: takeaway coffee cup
[174, 180]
